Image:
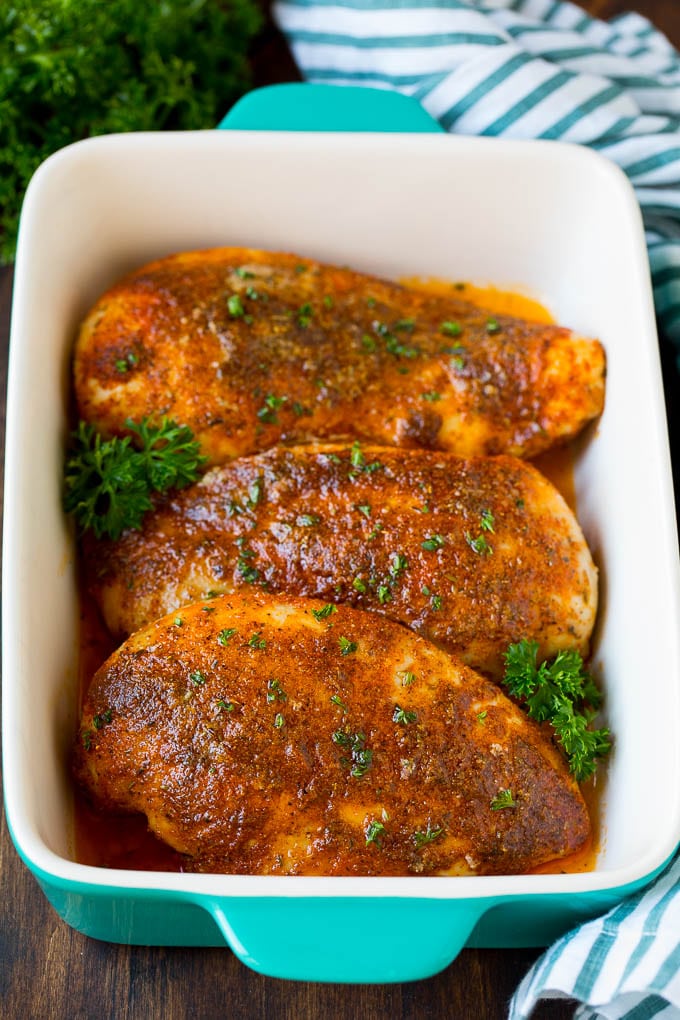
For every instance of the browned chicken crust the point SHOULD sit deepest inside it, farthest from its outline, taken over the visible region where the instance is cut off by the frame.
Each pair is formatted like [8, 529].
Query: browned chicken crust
[263, 735]
[472, 553]
[250, 348]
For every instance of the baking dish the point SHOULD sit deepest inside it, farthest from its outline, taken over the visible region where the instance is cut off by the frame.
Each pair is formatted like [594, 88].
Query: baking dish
[554, 220]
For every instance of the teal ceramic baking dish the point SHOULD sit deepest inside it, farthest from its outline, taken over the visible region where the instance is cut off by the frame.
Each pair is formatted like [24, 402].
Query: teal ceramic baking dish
[381, 189]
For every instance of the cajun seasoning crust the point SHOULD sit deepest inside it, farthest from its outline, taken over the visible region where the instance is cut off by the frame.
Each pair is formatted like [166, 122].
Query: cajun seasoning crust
[472, 553]
[249, 348]
[266, 734]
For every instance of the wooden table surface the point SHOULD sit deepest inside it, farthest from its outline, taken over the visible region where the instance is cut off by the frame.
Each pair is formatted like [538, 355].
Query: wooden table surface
[49, 972]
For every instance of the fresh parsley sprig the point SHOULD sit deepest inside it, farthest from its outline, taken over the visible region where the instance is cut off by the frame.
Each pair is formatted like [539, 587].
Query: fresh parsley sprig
[108, 482]
[71, 69]
[563, 693]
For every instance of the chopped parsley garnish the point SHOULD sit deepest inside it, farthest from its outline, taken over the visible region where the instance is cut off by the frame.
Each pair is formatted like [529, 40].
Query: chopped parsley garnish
[275, 691]
[197, 678]
[432, 543]
[257, 641]
[346, 646]
[492, 326]
[478, 544]
[225, 706]
[337, 700]
[403, 717]
[101, 720]
[356, 456]
[361, 756]
[324, 612]
[278, 720]
[255, 490]
[235, 306]
[432, 396]
[359, 585]
[423, 838]
[563, 693]
[305, 315]
[406, 678]
[268, 412]
[248, 572]
[374, 830]
[358, 461]
[364, 509]
[307, 520]
[503, 799]
[407, 325]
[451, 328]
[398, 564]
[123, 365]
[393, 344]
[487, 521]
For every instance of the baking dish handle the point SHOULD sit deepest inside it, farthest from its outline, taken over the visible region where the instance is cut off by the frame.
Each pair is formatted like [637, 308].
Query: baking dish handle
[298, 106]
[338, 940]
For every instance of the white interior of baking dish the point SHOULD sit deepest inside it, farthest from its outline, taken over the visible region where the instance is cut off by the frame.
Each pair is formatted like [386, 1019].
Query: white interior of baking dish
[554, 221]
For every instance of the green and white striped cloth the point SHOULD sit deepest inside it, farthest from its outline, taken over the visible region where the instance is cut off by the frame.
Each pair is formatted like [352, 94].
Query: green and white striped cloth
[521, 69]
[623, 966]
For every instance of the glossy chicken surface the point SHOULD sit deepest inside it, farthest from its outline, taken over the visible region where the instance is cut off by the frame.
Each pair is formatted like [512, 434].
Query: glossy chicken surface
[472, 553]
[250, 348]
[272, 735]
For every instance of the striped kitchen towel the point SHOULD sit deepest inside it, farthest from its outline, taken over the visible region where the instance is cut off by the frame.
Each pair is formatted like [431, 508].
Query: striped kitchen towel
[521, 69]
[623, 965]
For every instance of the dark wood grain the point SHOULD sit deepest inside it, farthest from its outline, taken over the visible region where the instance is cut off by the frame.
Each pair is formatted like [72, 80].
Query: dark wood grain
[49, 972]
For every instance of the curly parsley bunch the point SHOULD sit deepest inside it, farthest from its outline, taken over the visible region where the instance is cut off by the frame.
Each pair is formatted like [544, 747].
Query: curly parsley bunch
[70, 69]
[109, 483]
[562, 693]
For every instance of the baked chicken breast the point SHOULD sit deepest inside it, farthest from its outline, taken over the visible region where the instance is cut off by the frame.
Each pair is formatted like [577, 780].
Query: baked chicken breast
[271, 735]
[249, 348]
[473, 553]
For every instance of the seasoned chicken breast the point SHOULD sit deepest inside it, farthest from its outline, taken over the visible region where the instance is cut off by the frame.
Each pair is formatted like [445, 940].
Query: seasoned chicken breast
[249, 348]
[271, 735]
[472, 553]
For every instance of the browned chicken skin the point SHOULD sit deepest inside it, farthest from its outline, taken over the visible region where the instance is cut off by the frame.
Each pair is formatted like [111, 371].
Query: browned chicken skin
[250, 348]
[472, 553]
[265, 734]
